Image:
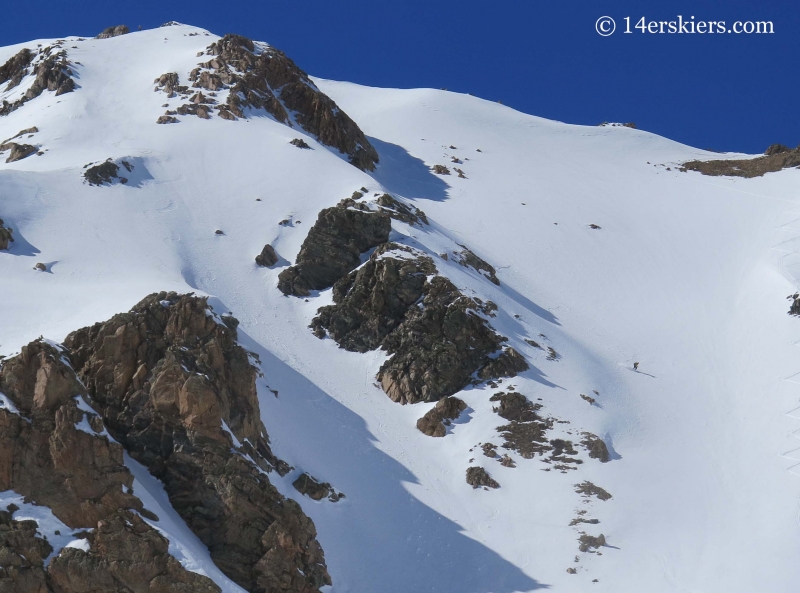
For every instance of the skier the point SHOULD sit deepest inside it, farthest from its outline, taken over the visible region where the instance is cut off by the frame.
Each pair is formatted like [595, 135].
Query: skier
[635, 366]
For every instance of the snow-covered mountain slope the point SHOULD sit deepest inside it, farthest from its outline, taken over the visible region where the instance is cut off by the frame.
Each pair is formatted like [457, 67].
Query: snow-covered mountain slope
[686, 275]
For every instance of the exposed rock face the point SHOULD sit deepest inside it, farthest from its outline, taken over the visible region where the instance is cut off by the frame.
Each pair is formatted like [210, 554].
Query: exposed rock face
[166, 119]
[126, 554]
[478, 477]
[106, 173]
[18, 151]
[596, 447]
[80, 476]
[262, 77]
[588, 489]
[22, 556]
[371, 302]
[300, 143]
[400, 211]
[333, 247]
[113, 32]
[794, 308]
[434, 332]
[467, 258]
[437, 347]
[6, 236]
[51, 70]
[31, 130]
[169, 84]
[515, 407]
[526, 433]
[165, 377]
[776, 158]
[267, 257]
[509, 364]
[434, 422]
[589, 542]
[16, 68]
[316, 490]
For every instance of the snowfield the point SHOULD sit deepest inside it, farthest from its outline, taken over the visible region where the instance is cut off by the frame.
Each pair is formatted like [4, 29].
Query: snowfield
[686, 275]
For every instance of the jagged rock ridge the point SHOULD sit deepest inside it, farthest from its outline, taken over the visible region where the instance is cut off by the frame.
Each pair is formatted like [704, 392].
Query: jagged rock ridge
[51, 70]
[262, 77]
[177, 391]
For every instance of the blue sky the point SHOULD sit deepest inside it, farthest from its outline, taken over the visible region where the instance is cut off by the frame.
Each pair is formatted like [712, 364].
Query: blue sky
[721, 91]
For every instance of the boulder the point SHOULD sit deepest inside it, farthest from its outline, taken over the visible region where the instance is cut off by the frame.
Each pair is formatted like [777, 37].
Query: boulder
[6, 236]
[434, 422]
[333, 248]
[478, 477]
[19, 151]
[267, 257]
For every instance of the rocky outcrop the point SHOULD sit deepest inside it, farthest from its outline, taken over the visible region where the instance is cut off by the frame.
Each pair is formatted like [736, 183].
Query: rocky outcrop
[51, 70]
[509, 363]
[371, 302]
[106, 173]
[467, 258]
[177, 391]
[436, 334]
[267, 257]
[18, 151]
[333, 248]
[596, 447]
[434, 423]
[438, 346]
[402, 212]
[44, 454]
[262, 77]
[515, 407]
[526, 433]
[22, 556]
[477, 477]
[125, 554]
[776, 157]
[309, 486]
[6, 236]
[113, 32]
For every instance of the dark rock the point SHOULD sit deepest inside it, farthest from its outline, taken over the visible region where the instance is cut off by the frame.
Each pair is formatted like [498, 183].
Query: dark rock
[506, 461]
[167, 119]
[167, 83]
[587, 398]
[773, 160]
[508, 364]
[794, 309]
[267, 257]
[400, 211]
[446, 409]
[6, 236]
[441, 170]
[164, 377]
[776, 149]
[467, 258]
[588, 489]
[596, 447]
[264, 78]
[219, 232]
[477, 477]
[489, 450]
[40, 267]
[124, 551]
[515, 407]
[371, 302]
[16, 68]
[316, 490]
[31, 130]
[588, 542]
[43, 456]
[333, 248]
[103, 173]
[594, 226]
[299, 143]
[22, 556]
[51, 71]
[113, 32]
[18, 151]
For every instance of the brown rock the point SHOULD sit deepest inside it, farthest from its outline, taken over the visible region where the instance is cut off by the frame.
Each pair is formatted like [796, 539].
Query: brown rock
[164, 377]
[267, 257]
[478, 477]
[434, 421]
[113, 32]
[18, 151]
[40, 267]
[167, 119]
[6, 236]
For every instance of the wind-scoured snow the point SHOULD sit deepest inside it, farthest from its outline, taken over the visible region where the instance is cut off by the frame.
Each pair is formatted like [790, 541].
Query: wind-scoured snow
[687, 276]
